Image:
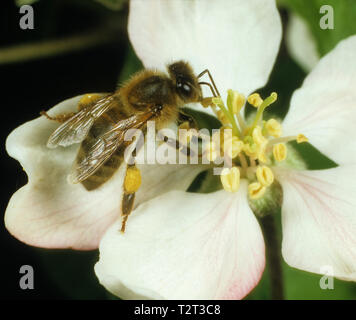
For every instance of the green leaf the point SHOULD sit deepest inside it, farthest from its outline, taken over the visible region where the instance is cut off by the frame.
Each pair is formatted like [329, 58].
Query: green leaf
[20, 3]
[344, 20]
[113, 4]
[132, 64]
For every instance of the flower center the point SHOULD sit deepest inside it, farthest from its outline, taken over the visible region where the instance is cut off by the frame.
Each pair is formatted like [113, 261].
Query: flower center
[253, 147]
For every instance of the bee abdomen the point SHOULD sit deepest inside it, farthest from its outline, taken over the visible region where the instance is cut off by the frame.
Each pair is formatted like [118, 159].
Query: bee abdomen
[108, 168]
[104, 173]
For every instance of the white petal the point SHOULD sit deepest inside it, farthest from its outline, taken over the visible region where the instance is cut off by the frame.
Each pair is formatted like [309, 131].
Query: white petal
[324, 108]
[185, 246]
[319, 220]
[50, 212]
[301, 44]
[236, 40]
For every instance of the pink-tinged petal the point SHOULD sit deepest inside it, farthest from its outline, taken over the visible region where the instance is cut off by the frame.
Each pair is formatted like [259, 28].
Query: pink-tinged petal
[185, 246]
[236, 40]
[50, 212]
[324, 108]
[319, 220]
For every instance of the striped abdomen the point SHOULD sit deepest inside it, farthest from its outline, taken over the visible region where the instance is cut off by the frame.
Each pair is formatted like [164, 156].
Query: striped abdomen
[101, 126]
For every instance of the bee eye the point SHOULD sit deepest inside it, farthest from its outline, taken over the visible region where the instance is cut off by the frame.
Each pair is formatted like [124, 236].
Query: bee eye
[184, 88]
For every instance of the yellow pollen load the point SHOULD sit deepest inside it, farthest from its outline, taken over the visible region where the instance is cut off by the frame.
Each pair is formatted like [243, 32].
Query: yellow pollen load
[255, 100]
[230, 179]
[301, 138]
[256, 190]
[264, 176]
[88, 98]
[280, 151]
[132, 180]
[273, 128]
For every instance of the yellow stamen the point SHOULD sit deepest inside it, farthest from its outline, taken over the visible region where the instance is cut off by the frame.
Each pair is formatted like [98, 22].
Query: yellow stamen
[264, 175]
[301, 138]
[258, 137]
[255, 100]
[132, 180]
[206, 102]
[250, 149]
[274, 128]
[230, 179]
[211, 153]
[256, 190]
[280, 151]
[223, 118]
[235, 101]
[233, 147]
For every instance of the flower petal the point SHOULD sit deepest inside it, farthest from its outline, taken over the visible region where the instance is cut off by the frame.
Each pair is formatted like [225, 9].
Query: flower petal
[50, 212]
[319, 220]
[301, 44]
[185, 246]
[236, 40]
[324, 108]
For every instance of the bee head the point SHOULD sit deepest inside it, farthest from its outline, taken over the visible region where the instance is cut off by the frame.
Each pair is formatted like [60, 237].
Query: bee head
[186, 83]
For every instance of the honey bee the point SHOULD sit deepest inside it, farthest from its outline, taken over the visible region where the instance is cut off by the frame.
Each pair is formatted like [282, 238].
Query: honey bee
[101, 122]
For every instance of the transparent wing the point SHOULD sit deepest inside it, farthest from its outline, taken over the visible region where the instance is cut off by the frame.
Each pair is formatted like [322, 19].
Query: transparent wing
[75, 129]
[105, 146]
[98, 154]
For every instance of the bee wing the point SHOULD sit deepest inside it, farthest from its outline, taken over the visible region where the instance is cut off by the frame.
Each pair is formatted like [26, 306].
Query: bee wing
[76, 128]
[105, 146]
[98, 154]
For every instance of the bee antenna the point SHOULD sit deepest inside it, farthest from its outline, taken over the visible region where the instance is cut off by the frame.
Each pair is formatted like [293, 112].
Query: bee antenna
[210, 86]
[211, 79]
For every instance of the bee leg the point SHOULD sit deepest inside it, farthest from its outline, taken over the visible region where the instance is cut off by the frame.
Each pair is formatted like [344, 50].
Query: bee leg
[184, 149]
[60, 118]
[86, 100]
[132, 183]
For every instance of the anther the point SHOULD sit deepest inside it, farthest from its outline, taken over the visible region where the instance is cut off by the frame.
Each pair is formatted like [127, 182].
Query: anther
[301, 138]
[264, 175]
[235, 101]
[280, 151]
[233, 147]
[273, 128]
[256, 190]
[230, 179]
[255, 100]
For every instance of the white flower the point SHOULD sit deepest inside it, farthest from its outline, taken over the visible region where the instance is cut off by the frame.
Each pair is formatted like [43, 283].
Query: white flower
[195, 246]
[52, 213]
[210, 246]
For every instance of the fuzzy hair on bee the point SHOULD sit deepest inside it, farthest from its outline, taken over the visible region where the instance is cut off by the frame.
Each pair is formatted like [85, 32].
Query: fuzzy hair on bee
[101, 121]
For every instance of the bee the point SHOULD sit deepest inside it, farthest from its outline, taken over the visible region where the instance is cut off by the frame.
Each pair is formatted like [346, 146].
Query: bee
[102, 120]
